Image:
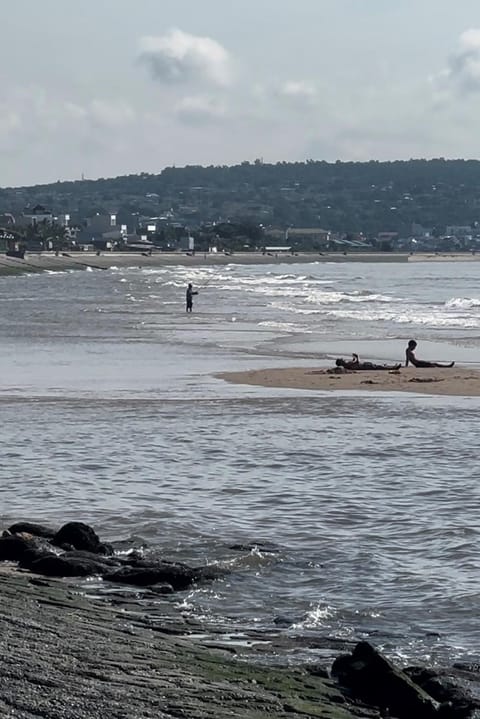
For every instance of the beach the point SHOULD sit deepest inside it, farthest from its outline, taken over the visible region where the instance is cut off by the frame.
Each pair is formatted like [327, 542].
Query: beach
[49, 261]
[453, 382]
[341, 514]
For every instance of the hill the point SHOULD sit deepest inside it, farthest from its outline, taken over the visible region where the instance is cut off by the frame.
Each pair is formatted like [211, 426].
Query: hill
[367, 197]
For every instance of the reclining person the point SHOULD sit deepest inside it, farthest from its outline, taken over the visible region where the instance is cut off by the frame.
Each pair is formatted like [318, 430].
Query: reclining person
[355, 364]
[411, 359]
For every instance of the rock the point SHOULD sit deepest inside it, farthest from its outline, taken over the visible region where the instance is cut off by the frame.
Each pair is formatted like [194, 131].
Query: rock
[373, 679]
[445, 690]
[92, 557]
[80, 536]
[55, 566]
[38, 530]
[13, 547]
[32, 554]
[179, 576]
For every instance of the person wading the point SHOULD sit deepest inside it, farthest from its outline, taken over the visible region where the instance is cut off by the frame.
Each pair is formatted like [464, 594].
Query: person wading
[189, 297]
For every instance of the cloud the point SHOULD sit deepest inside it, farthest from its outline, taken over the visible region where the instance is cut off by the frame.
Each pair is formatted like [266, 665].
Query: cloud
[181, 58]
[37, 124]
[201, 110]
[462, 74]
[298, 91]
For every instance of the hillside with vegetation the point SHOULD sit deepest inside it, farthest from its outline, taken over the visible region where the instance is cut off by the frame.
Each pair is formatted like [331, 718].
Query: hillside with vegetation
[351, 197]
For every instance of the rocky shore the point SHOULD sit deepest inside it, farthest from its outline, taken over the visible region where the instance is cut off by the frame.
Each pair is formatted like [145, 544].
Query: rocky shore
[66, 655]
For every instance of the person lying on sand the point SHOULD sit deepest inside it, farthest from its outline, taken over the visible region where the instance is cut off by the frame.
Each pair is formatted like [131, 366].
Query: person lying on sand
[355, 364]
[411, 359]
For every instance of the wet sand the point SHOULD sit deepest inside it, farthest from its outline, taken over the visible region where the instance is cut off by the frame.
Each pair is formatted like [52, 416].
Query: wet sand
[455, 382]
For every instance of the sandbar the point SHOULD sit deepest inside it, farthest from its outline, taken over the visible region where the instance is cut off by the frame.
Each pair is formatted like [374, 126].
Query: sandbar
[454, 382]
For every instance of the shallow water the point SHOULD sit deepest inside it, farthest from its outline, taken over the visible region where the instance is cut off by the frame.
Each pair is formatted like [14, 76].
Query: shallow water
[111, 415]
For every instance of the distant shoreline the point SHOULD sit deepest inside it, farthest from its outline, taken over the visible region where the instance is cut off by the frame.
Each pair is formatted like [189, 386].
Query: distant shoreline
[40, 262]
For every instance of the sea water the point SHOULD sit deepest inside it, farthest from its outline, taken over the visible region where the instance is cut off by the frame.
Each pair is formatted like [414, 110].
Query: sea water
[361, 511]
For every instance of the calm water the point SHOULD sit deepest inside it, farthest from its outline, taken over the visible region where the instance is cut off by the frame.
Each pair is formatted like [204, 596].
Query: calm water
[111, 415]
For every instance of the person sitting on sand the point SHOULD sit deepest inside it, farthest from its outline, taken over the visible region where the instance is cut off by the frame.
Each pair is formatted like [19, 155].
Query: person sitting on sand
[355, 364]
[411, 359]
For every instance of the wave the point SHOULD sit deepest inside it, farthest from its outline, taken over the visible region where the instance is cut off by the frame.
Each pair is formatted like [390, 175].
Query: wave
[284, 326]
[411, 318]
[463, 302]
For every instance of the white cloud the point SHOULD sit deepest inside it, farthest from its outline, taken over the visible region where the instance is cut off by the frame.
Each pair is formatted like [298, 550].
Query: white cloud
[298, 90]
[41, 126]
[179, 57]
[200, 110]
[462, 73]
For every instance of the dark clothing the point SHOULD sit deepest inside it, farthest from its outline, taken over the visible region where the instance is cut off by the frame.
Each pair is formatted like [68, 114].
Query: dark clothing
[355, 364]
[189, 298]
[370, 366]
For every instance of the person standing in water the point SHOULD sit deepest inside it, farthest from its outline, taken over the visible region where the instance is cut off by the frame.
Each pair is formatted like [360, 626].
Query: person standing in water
[411, 359]
[189, 297]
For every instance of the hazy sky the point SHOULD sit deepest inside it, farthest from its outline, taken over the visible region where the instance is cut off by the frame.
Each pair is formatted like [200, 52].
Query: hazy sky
[109, 87]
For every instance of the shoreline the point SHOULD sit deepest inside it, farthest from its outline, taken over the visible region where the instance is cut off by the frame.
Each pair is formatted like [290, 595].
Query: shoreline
[451, 382]
[72, 656]
[49, 262]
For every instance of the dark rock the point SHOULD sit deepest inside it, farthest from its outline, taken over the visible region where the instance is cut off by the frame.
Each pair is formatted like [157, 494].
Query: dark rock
[179, 576]
[80, 536]
[445, 690]
[32, 554]
[106, 549]
[54, 566]
[13, 547]
[38, 530]
[373, 679]
[92, 557]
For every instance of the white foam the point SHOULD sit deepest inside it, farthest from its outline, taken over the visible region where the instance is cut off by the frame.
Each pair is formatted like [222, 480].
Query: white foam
[463, 302]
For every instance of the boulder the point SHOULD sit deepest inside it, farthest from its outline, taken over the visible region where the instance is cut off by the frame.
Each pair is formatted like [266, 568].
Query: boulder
[373, 679]
[32, 554]
[445, 689]
[37, 530]
[178, 576]
[13, 546]
[78, 535]
[92, 557]
[61, 566]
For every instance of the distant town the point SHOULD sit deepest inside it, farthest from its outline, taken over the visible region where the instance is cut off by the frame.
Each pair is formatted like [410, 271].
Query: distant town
[413, 206]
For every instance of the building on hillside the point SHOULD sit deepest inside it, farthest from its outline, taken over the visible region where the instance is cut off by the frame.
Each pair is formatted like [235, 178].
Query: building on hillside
[37, 215]
[101, 222]
[300, 237]
[460, 231]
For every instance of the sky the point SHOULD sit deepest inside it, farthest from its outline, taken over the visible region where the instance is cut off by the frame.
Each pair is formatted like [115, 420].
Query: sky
[101, 88]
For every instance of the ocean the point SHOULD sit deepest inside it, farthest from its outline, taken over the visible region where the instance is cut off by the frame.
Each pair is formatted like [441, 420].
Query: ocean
[358, 512]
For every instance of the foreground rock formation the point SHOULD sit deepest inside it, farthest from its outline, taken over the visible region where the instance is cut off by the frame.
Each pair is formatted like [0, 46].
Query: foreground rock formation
[75, 550]
[67, 656]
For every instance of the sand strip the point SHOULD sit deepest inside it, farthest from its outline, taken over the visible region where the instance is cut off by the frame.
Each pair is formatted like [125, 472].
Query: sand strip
[455, 382]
